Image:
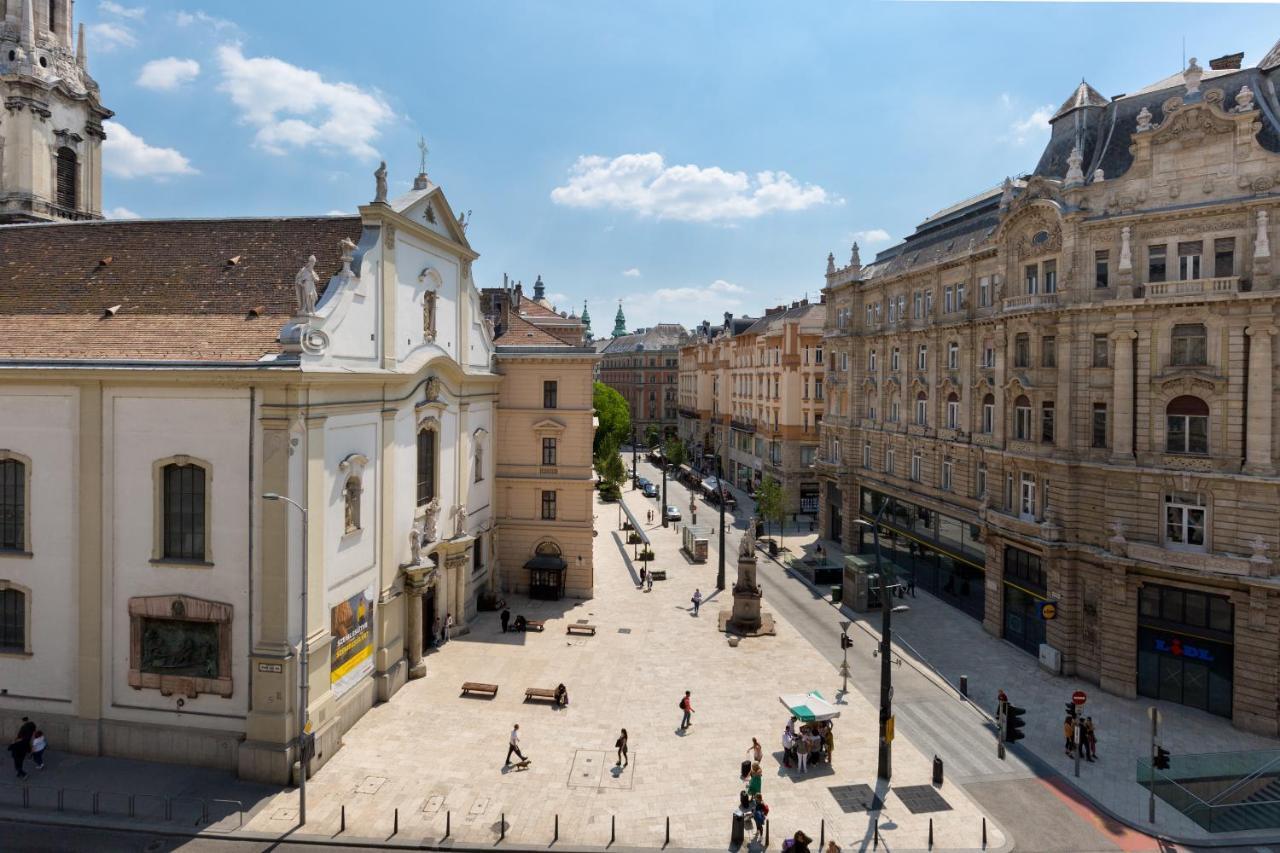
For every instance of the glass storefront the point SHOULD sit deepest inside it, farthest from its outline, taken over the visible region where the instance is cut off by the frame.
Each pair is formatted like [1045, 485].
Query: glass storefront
[1024, 591]
[1185, 651]
[941, 553]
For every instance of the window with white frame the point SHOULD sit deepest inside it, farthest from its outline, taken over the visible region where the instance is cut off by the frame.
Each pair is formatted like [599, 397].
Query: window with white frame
[1022, 418]
[922, 408]
[1189, 260]
[948, 468]
[917, 304]
[1027, 497]
[1050, 271]
[1008, 491]
[868, 315]
[895, 359]
[948, 300]
[844, 361]
[980, 481]
[953, 356]
[988, 413]
[871, 360]
[893, 410]
[988, 355]
[1185, 517]
[928, 303]
[960, 302]
[1032, 279]
[984, 291]
[922, 357]
[953, 410]
[917, 465]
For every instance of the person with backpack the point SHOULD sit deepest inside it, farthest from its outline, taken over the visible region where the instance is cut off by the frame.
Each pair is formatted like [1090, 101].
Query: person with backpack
[686, 706]
[18, 749]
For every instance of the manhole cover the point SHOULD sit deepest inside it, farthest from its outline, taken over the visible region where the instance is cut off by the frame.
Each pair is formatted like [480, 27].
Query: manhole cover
[588, 764]
[624, 630]
[433, 805]
[856, 798]
[370, 785]
[921, 798]
[584, 622]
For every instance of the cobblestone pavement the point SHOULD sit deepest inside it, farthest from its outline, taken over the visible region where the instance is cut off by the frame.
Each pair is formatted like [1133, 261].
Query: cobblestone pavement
[430, 751]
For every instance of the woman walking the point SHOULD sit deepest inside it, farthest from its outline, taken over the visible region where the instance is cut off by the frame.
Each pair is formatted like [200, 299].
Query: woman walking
[621, 744]
[755, 751]
[38, 746]
[757, 780]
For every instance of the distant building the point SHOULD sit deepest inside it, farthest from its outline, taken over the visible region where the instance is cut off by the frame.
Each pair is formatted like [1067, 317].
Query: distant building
[642, 367]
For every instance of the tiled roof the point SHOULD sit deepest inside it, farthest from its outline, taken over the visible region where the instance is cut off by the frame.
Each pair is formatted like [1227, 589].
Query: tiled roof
[661, 336]
[181, 295]
[521, 333]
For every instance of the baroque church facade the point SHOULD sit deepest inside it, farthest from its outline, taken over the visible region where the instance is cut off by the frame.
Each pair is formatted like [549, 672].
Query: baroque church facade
[162, 381]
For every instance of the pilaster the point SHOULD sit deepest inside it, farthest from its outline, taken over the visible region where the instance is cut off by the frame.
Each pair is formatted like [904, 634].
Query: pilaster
[89, 536]
[1122, 397]
[1261, 385]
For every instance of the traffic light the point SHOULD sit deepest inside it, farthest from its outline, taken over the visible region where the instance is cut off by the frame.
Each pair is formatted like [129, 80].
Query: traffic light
[845, 641]
[1071, 709]
[1013, 723]
[1162, 758]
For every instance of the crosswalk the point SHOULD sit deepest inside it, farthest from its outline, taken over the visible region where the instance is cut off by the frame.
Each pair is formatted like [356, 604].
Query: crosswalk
[947, 728]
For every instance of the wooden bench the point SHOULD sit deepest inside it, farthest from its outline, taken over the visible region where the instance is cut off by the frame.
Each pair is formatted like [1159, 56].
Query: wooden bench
[548, 693]
[535, 624]
[581, 629]
[659, 574]
[479, 687]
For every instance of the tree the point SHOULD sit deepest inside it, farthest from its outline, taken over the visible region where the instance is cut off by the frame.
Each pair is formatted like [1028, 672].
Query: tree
[614, 418]
[675, 452]
[652, 437]
[769, 500]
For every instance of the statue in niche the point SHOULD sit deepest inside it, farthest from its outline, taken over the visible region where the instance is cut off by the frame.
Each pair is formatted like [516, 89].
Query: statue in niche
[304, 288]
[179, 647]
[415, 546]
[380, 183]
[1262, 243]
[430, 518]
[352, 508]
[432, 391]
[460, 522]
[429, 315]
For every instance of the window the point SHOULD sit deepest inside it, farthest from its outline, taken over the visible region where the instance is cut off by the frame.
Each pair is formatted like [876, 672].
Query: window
[1156, 263]
[928, 303]
[1102, 269]
[1188, 344]
[817, 359]
[984, 291]
[1022, 419]
[548, 506]
[988, 355]
[960, 303]
[1048, 351]
[1025, 568]
[947, 470]
[1032, 279]
[817, 389]
[844, 362]
[948, 300]
[980, 481]
[13, 621]
[953, 411]
[548, 451]
[866, 455]
[1008, 491]
[184, 512]
[1046, 421]
[1189, 260]
[916, 303]
[53, 16]
[1050, 276]
[895, 359]
[1184, 521]
[871, 361]
[835, 450]
[477, 556]
[988, 413]
[922, 357]
[888, 461]
[1022, 350]
[1100, 350]
[426, 465]
[351, 500]
[1188, 425]
[13, 505]
[66, 178]
[917, 463]
[551, 393]
[1099, 425]
[922, 408]
[1224, 257]
[1027, 497]
[953, 356]
[893, 410]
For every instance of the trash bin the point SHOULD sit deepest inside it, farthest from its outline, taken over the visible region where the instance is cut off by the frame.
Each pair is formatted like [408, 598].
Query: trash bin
[773, 548]
[738, 831]
[836, 593]
[937, 770]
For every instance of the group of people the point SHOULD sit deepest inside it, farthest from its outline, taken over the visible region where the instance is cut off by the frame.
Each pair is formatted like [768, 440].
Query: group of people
[30, 741]
[814, 743]
[1088, 738]
[646, 580]
[517, 626]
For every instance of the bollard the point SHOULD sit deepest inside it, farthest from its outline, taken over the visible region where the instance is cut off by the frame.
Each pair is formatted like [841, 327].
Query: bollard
[502, 826]
[26, 798]
[448, 819]
[613, 828]
[930, 833]
[822, 835]
[395, 827]
[875, 839]
[95, 804]
[766, 833]
[342, 820]
[668, 841]
[984, 833]
[557, 835]
[964, 686]
[131, 814]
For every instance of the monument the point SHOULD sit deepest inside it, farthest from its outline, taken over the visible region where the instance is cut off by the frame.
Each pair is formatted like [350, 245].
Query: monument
[746, 618]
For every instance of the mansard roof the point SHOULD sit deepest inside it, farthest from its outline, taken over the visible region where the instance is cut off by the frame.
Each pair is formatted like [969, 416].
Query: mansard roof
[1084, 96]
[182, 290]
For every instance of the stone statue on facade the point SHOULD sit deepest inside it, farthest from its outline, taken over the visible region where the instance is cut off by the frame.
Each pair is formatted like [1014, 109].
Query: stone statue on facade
[747, 547]
[432, 390]
[304, 288]
[459, 522]
[380, 183]
[1192, 76]
[831, 263]
[415, 546]
[430, 519]
[1006, 194]
[1099, 176]
[1126, 251]
[1075, 162]
[1244, 100]
[347, 247]
[1262, 242]
[1144, 120]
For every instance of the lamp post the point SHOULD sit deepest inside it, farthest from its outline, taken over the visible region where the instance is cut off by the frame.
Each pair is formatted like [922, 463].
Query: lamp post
[304, 688]
[884, 766]
[634, 475]
[720, 490]
[663, 465]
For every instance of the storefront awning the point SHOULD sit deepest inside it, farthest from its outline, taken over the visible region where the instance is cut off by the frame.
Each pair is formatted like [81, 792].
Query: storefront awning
[547, 563]
[809, 707]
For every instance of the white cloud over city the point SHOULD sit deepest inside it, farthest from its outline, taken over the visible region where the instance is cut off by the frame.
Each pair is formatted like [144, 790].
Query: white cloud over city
[135, 13]
[871, 236]
[646, 185]
[120, 213]
[168, 74]
[108, 36]
[633, 272]
[293, 108]
[127, 155]
[1031, 126]
[686, 305]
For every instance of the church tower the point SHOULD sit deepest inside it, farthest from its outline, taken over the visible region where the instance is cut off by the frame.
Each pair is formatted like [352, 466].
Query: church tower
[51, 128]
[619, 322]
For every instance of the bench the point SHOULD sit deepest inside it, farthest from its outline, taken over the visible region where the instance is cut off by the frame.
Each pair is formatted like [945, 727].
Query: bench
[548, 693]
[535, 624]
[479, 687]
[581, 629]
[658, 574]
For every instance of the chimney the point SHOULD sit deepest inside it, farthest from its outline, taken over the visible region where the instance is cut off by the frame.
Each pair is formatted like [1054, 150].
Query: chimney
[1230, 62]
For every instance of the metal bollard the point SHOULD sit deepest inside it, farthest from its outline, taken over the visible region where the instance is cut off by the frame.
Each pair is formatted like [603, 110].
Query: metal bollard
[557, 835]
[930, 833]
[131, 805]
[26, 798]
[502, 826]
[668, 841]
[822, 835]
[342, 820]
[95, 805]
[964, 686]
[395, 827]
[60, 799]
[168, 807]
[613, 828]
[766, 833]
[875, 839]
[448, 820]
[984, 833]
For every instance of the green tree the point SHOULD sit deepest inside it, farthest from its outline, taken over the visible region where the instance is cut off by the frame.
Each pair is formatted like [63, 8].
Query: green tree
[769, 500]
[652, 436]
[614, 418]
[675, 452]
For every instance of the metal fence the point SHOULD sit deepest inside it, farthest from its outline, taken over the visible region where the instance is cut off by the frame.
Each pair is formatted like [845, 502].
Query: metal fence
[214, 815]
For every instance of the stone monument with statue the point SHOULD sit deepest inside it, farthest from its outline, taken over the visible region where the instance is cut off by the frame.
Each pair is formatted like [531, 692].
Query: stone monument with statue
[746, 618]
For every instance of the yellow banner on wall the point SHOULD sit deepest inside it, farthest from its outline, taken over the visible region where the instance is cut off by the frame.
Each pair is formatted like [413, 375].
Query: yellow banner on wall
[351, 624]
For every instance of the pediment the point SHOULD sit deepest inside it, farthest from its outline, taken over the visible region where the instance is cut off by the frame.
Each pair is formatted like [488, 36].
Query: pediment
[1191, 123]
[1190, 382]
[431, 209]
[548, 425]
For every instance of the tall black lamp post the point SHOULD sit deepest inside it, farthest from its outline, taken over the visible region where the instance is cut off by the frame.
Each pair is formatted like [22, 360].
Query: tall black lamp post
[884, 766]
[663, 464]
[634, 474]
[720, 490]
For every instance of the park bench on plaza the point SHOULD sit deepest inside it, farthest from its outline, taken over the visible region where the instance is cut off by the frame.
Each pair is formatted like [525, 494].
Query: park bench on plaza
[658, 574]
[581, 629]
[548, 693]
[479, 687]
[535, 624]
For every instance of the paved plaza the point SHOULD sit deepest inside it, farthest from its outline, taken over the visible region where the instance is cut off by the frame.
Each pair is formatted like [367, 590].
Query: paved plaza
[431, 751]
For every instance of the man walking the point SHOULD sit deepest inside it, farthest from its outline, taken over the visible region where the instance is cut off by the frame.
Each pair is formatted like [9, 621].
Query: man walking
[686, 706]
[505, 618]
[514, 746]
[697, 601]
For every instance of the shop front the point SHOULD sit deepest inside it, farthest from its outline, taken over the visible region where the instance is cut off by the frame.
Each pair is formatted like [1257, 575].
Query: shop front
[835, 513]
[1025, 591]
[809, 498]
[1185, 649]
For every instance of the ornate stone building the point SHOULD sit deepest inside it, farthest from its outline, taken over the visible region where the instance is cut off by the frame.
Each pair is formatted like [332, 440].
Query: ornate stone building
[752, 391]
[1063, 390]
[642, 367]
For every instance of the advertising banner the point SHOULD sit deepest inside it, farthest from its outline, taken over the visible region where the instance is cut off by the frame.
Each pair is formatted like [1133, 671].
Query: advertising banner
[351, 624]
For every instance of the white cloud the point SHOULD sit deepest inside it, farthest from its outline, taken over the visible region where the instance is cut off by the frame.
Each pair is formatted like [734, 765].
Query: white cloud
[120, 213]
[1031, 127]
[127, 155]
[165, 75]
[294, 107]
[634, 272]
[107, 36]
[135, 13]
[870, 236]
[722, 286]
[558, 299]
[336, 212]
[187, 19]
[645, 184]
[687, 305]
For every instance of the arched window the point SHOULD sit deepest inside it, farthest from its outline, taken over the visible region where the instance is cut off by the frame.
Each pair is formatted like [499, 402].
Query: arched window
[184, 512]
[953, 410]
[1022, 418]
[426, 464]
[1187, 418]
[66, 178]
[547, 549]
[922, 408]
[989, 413]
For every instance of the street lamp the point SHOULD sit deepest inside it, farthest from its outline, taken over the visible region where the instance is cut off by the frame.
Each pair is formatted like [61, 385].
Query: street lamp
[634, 474]
[663, 464]
[304, 688]
[720, 490]
[884, 766]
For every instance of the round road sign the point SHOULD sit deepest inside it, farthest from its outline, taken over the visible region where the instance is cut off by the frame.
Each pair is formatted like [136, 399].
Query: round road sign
[1079, 697]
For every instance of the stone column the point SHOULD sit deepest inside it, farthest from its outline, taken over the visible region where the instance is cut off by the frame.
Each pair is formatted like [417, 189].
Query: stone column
[1122, 398]
[413, 625]
[1260, 385]
[1062, 428]
[999, 343]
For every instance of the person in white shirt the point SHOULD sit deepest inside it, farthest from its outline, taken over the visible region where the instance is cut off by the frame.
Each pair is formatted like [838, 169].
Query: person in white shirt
[515, 745]
[38, 745]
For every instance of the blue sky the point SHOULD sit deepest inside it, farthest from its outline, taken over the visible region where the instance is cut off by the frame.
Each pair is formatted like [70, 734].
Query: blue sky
[687, 157]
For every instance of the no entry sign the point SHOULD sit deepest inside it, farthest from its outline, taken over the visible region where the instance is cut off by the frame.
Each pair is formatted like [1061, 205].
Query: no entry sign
[1079, 697]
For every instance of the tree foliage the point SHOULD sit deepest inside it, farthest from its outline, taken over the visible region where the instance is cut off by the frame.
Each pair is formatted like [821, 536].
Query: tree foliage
[614, 418]
[652, 436]
[675, 452]
[769, 500]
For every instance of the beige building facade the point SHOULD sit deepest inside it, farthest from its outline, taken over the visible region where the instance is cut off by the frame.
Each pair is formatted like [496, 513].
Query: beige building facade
[642, 367]
[752, 392]
[1063, 391]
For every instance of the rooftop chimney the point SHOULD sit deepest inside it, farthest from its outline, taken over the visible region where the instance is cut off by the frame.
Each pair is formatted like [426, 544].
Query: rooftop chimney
[1230, 62]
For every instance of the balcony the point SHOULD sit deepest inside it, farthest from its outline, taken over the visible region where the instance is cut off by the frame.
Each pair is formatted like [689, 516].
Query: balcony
[742, 426]
[1257, 565]
[1029, 302]
[1226, 285]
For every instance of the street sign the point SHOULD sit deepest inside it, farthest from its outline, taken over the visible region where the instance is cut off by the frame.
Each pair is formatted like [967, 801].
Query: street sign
[1048, 610]
[888, 730]
[1079, 697]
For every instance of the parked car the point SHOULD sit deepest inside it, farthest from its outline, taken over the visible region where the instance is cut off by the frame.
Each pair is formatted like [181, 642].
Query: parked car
[643, 481]
[650, 490]
[672, 513]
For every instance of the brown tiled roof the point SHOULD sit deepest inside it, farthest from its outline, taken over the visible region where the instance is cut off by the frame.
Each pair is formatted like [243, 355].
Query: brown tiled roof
[521, 333]
[181, 297]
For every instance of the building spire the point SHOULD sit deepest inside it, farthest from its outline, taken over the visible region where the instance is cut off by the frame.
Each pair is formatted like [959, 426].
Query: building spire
[28, 24]
[82, 60]
[420, 182]
[619, 322]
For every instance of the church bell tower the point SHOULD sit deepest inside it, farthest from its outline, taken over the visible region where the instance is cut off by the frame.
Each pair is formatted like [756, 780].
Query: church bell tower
[51, 128]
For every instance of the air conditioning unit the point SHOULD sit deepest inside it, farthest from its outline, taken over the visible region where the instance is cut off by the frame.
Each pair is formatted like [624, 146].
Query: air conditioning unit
[1050, 658]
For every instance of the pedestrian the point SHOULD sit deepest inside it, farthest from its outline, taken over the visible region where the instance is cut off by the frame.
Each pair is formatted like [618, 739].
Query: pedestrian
[788, 748]
[1091, 738]
[829, 740]
[506, 619]
[759, 813]
[802, 752]
[755, 751]
[757, 780]
[444, 628]
[697, 600]
[1069, 733]
[18, 749]
[27, 731]
[562, 695]
[686, 706]
[800, 842]
[621, 745]
[514, 745]
[38, 745]
[642, 574]
[649, 581]
[911, 584]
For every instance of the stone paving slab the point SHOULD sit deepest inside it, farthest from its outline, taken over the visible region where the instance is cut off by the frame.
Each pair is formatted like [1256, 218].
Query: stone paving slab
[441, 753]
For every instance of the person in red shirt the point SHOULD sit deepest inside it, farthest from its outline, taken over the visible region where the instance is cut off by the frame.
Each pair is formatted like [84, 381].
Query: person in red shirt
[686, 705]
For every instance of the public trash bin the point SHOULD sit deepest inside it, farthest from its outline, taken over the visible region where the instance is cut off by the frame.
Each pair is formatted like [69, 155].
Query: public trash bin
[773, 548]
[937, 770]
[738, 831]
[835, 594]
